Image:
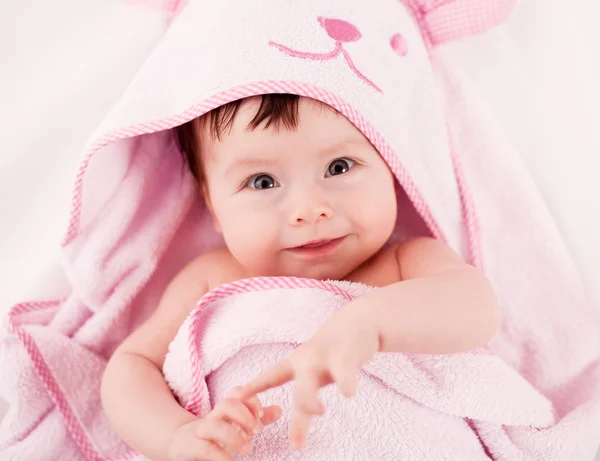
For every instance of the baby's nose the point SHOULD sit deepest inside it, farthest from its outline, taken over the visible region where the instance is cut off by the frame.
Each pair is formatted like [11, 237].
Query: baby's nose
[310, 209]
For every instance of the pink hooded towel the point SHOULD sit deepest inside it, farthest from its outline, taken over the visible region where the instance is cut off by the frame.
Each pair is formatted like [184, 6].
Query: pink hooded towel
[533, 393]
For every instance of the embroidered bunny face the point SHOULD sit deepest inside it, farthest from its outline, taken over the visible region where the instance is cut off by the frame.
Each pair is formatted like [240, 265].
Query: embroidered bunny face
[343, 32]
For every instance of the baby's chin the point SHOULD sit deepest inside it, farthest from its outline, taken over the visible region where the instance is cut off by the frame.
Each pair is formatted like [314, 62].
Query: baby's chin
[280, 264]
[323, 270]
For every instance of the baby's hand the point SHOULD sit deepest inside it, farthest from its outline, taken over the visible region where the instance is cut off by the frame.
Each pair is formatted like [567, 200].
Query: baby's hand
[225, 431]
[335, 354]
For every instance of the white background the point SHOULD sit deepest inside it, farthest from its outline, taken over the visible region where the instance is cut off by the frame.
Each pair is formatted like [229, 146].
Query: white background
[63, 64]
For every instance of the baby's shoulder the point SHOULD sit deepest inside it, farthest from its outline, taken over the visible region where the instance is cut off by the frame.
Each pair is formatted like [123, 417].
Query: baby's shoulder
[216, 267]
[405, 260]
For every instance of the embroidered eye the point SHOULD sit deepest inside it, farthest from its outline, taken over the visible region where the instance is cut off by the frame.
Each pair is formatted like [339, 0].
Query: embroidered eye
[261, 182]
[339, 166]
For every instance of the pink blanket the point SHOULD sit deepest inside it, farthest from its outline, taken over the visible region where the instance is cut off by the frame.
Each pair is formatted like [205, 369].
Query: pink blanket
[533, 394]
[242, 328]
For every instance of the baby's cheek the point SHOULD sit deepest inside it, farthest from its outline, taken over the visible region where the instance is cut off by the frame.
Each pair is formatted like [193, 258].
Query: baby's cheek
[378, 197]
[251, 241]
[378, 212]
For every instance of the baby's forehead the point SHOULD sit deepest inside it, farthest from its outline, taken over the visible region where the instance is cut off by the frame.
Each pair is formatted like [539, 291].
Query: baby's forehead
[274, 127]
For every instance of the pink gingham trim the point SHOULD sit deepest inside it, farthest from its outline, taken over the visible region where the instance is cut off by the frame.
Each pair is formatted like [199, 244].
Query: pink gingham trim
[73, 425]
[443, 21]
[245, 91]
[199, 389]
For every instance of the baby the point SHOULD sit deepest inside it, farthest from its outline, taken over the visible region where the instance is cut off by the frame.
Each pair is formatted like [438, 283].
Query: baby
[296, 190]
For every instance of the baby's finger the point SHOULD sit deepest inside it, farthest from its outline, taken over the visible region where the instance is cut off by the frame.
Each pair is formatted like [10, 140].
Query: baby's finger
[300, 423]
[306, 393]
[226, 435]
[253, 402]
[306, 404]
[276, 376]
[235, 411]
[272, 414]
[346, 378]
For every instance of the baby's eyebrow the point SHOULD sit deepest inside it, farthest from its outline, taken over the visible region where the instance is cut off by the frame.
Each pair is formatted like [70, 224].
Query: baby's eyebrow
[247, 163]
[342, 146]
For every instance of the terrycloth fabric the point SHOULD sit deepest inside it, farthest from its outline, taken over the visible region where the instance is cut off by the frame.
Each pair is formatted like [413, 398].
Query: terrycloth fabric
[136, 220]
[241, 329]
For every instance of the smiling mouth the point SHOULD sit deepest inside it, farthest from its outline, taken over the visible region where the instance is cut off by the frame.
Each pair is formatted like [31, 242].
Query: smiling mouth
[317, 247]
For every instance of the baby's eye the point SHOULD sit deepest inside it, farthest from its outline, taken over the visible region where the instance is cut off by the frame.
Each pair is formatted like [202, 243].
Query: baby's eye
[339, 166]
[261, 181]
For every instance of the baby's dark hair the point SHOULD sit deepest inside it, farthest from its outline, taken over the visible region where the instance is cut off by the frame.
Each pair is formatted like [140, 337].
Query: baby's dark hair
[277, 110]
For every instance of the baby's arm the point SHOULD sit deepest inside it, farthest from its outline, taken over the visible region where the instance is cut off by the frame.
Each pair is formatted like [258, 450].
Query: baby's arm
[140, 405]
[442, 305]
[135, 396]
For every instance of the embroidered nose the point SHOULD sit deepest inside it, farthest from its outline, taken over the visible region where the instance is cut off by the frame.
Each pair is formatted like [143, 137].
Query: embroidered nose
[340, 31]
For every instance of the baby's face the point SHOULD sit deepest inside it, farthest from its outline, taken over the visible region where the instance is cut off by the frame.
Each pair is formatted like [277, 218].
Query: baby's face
[316, 202]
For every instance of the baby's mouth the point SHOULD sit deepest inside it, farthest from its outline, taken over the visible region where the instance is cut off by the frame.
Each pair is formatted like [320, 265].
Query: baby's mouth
[316, 248]
[315, 244]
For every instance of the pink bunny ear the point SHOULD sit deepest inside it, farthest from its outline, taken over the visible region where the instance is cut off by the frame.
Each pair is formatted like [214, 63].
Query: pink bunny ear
[339, 30]
[445, 21]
